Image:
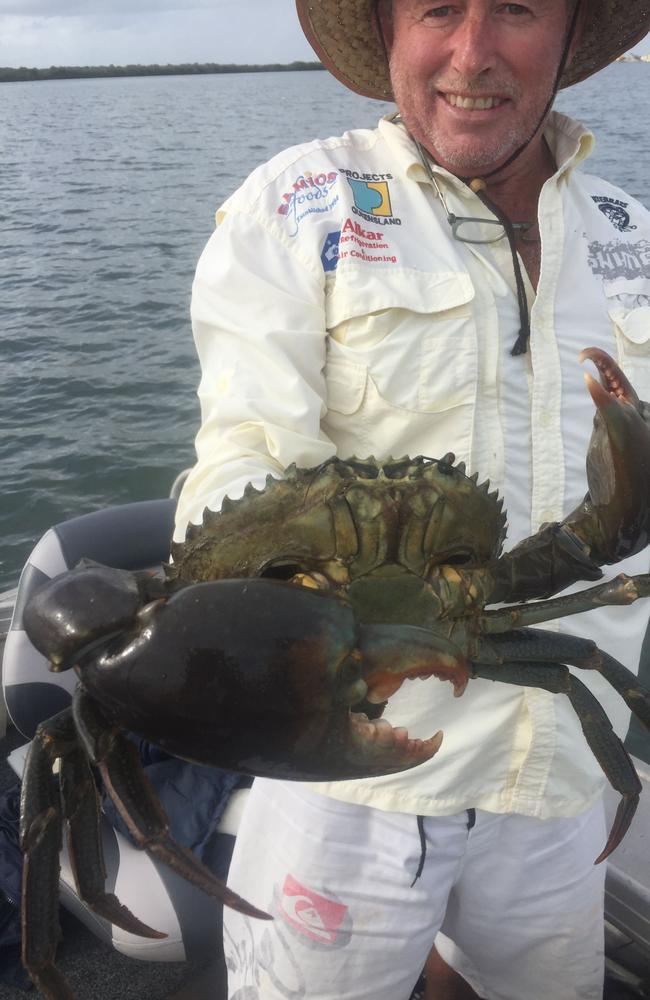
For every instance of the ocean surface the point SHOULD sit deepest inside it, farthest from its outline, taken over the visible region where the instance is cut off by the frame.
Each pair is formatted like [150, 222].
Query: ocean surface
[108, 190]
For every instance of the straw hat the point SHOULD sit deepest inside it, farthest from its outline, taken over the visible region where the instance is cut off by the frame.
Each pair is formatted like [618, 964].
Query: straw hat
[344, 35]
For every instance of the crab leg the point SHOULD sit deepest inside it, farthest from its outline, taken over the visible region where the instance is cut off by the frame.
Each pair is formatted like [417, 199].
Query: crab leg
[40, 840]
[81, 809]
[41, 833]
[622, 590]
[535, 645]
[601, 738]
[128, 787]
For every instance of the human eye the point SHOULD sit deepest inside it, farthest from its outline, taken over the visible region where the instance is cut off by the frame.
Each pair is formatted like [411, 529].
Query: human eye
[515, 9]
[439, 12]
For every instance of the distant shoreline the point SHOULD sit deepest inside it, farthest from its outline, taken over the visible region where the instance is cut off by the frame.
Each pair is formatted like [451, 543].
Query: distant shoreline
[23, 73]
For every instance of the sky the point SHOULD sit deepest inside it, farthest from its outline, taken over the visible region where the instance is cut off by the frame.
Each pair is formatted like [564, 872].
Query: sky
[46, 33]
[99, 32]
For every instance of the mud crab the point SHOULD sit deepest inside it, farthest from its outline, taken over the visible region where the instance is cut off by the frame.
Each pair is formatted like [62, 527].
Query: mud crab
[292, 606]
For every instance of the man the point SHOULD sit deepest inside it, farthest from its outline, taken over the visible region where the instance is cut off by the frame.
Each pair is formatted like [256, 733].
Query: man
[419, 288]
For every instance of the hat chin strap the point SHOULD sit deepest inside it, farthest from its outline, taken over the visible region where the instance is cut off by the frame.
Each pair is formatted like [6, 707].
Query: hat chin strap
[520, 346]
[479, 185]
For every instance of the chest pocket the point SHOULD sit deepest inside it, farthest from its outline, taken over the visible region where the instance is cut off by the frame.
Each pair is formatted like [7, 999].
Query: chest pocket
[628, 305]
[409, 336]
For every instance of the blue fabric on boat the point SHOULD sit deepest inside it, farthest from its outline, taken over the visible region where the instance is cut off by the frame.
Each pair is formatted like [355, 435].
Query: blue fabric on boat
[194, 796]
[11, 861]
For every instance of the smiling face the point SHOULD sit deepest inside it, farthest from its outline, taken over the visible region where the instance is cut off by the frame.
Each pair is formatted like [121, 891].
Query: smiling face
[472, 78]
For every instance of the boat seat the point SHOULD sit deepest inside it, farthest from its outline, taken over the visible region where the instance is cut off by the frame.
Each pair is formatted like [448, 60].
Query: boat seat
[132, 536]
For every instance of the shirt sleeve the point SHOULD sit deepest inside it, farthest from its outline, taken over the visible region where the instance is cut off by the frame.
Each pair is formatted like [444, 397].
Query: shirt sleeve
[258, 319]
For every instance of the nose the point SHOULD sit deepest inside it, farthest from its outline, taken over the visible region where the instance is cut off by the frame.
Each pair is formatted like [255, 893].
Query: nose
[473, 45]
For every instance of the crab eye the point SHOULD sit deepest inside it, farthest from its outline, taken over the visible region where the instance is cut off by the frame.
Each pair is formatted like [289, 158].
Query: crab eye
[280, 571]
[460, 558]
[455, 557]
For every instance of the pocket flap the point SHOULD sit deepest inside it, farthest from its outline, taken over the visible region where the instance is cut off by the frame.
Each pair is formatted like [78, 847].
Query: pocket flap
[627, 286]
[346, 384]
[628, 305]
[634, 324]
[358, 291]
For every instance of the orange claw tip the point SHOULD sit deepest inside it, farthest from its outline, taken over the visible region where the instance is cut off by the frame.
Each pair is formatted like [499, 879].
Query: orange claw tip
[432, 745]
[460, 684]
[436, 741]
[422, 750]
[597, 392]
[599, 357]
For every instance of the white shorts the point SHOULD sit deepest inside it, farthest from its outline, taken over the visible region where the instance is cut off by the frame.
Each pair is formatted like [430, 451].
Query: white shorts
[521, 898]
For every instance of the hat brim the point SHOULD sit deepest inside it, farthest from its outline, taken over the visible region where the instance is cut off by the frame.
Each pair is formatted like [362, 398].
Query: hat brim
[345, 37]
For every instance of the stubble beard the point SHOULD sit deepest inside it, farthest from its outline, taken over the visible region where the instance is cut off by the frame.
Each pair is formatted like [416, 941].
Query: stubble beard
[463, 157]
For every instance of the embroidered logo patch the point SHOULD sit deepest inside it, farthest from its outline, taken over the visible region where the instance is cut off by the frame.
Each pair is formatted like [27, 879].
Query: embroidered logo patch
[317, 185]
[330, 252]
[615, 211]
[312, 915]
[311, 194]
[368, 245]
[371, 196]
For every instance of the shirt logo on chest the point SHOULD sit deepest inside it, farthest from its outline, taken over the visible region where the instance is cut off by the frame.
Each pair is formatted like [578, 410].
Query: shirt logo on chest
[615, 211]
[371, 196]
[620, 260]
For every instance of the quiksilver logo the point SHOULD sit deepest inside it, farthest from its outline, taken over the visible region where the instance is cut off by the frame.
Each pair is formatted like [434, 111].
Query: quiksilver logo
[314, 916]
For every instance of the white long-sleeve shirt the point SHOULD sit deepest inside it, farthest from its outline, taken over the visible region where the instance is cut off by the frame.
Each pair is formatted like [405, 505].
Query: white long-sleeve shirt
[334, 313]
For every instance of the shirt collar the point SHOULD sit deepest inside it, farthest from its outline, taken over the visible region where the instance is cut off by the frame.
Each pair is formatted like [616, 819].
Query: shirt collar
[568, 140]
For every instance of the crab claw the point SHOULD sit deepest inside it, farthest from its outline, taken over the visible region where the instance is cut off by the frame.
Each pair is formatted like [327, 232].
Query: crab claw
[613, 520]
[387, 748]
[61, 619]
[257, 676]
[390, 655]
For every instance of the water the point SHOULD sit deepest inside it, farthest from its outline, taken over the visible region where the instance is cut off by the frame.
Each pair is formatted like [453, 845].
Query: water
[107, 195]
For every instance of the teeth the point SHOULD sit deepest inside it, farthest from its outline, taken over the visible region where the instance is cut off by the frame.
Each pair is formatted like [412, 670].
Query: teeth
[473, 103]
[384, 733]
[383, 737]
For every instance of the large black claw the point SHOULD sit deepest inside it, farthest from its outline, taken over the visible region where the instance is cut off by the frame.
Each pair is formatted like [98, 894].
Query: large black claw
[614, 518]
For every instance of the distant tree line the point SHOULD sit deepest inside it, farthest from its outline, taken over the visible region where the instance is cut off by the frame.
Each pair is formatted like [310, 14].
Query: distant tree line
[10, 74]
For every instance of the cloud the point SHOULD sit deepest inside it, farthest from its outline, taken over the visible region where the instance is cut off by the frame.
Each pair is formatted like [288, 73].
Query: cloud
[88, 8]
[99, 32]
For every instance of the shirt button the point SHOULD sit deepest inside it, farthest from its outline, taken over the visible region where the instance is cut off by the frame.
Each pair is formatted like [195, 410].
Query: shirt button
[545, 419]
[546, 515]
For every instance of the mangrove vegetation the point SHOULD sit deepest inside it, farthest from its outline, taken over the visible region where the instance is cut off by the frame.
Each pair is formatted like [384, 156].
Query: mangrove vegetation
[10, 74]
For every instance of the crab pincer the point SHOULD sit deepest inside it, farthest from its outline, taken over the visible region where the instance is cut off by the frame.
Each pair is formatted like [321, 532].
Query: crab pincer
[613, 520]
